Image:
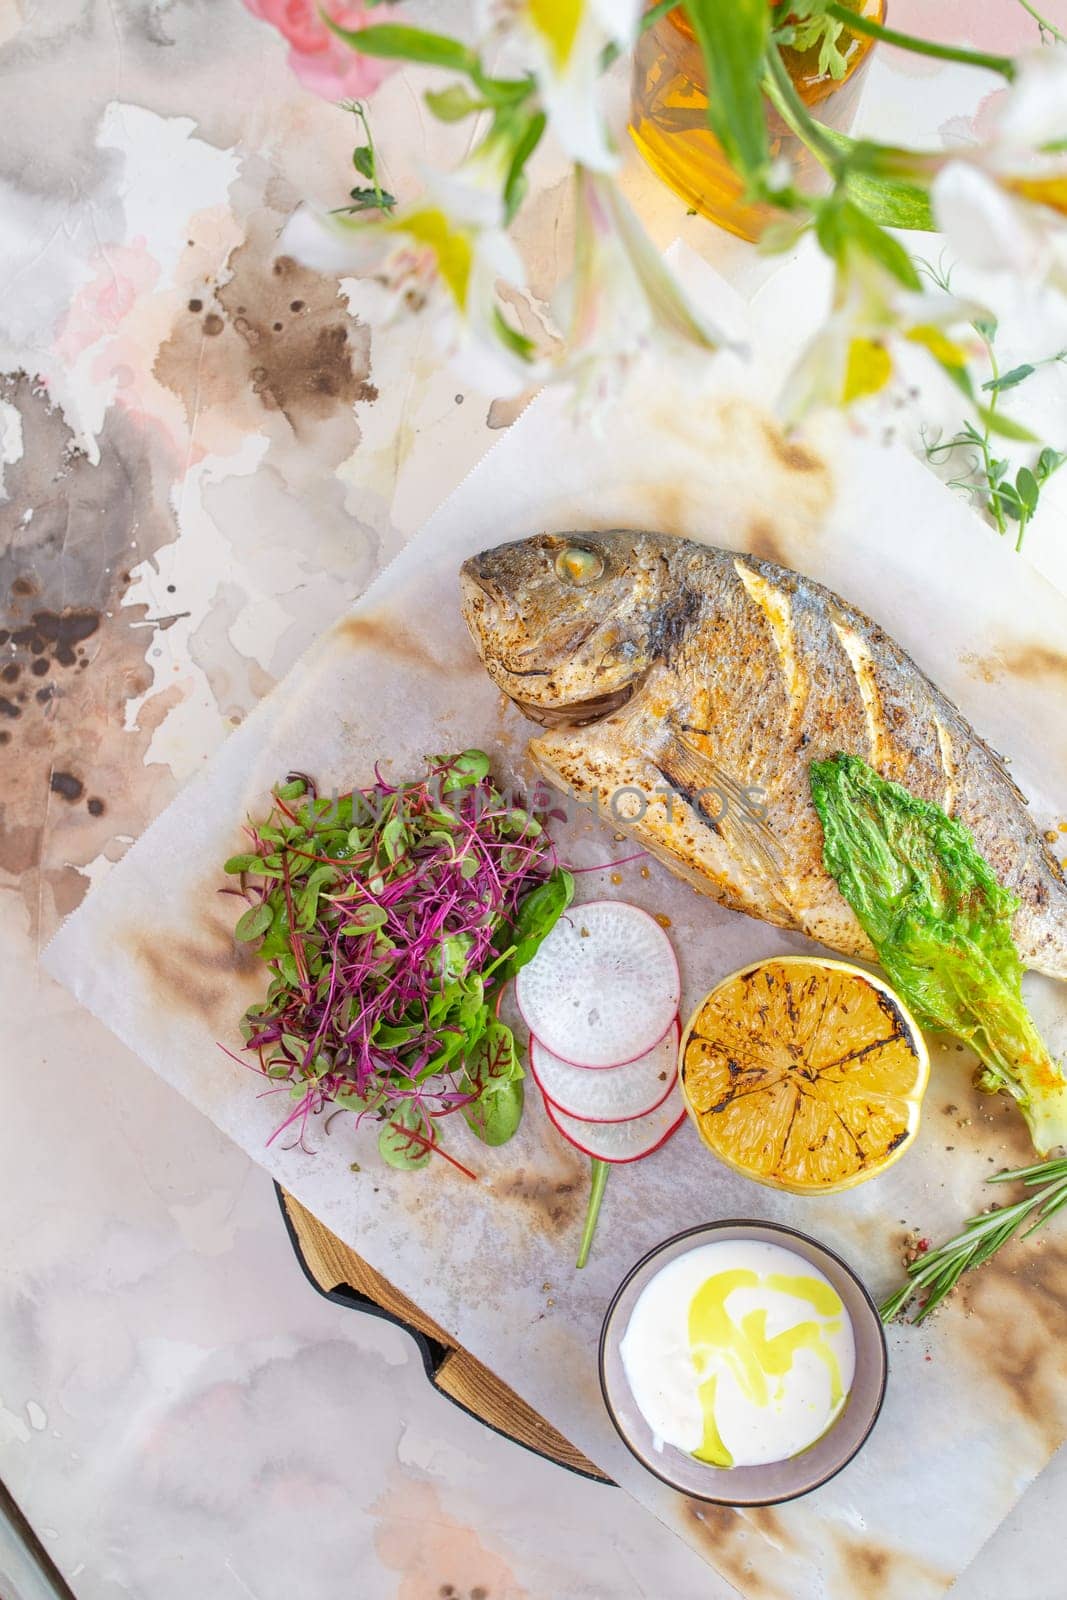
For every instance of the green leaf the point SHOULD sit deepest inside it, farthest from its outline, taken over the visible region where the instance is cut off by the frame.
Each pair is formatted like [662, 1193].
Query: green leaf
[511, 338]
[1008, 380]
[395, 42]
[306, 905]
[391, 1035]
[525, 145]
[893, 201]
[276, 941]
[403, 1142]
[454, 103]
[495, 1116]
[495, 1061]
[494, 1073]
[292, 790]
[288, 969]
[370, 200]
[394, 839]
[538, 913]
[1027, 488]
[245, 863]
[1048, 462]
[840, 223]
[351, 1100]
[449, 960]
[1006, 427]
[363, 160]
[442, 817]
[256, 920]
[363, 917]
[733, 39]
[467, 770]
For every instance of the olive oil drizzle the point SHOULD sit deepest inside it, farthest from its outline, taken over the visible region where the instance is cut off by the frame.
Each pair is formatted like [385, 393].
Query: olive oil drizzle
[757, 1363]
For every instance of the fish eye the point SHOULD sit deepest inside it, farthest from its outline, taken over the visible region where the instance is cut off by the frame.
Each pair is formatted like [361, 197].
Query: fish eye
[578, 566]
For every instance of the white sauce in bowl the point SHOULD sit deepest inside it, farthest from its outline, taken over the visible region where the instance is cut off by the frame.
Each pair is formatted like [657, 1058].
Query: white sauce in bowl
[739, 1352]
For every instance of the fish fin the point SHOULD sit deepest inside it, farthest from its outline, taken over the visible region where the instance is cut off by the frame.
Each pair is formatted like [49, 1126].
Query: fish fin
[727, 806]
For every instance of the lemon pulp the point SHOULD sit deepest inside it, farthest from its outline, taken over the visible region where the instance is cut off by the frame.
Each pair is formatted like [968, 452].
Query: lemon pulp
[804, 1074]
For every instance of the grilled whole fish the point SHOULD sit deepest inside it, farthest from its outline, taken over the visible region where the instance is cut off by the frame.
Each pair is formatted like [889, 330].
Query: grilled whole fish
[687, 689]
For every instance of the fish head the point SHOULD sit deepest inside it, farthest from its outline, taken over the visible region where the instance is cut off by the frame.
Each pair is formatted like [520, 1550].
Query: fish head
[564, 622]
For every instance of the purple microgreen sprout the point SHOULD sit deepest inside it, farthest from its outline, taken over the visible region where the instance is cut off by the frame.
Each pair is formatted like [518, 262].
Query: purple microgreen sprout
[390, 921]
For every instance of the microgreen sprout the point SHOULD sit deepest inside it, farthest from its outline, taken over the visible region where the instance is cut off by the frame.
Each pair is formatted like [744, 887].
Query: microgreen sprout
[365, 161]
[390, 920]
[986, 475]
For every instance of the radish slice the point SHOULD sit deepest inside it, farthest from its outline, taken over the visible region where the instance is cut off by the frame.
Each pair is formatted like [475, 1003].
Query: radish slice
[611, 1094]
[603, 988]
[622, 1141]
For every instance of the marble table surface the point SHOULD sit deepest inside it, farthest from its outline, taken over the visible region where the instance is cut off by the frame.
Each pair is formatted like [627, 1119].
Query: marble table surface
[202, 491]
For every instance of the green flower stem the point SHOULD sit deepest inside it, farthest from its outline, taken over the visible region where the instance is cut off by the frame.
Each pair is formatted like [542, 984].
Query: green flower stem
[781, 92]
[357, 107]
[596, 1195]
[987, 461]
[857, 23]
[1043, 23]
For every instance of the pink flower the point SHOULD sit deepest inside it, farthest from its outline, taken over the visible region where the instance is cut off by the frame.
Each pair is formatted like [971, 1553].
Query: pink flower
[320, 60]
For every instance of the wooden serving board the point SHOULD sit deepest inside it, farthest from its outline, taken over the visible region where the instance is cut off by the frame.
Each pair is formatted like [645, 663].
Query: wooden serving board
[344, 1277]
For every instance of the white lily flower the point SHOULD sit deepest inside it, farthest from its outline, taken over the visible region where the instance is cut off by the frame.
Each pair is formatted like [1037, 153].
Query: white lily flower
[851, 357]
[996, 229]
[1003, 204]
[1033, 111]
[566, 40]
[621, 299]
[445, 252]
[473, 192]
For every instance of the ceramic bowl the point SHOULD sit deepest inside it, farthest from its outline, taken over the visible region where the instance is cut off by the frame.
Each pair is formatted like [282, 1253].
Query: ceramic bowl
[777, 1480]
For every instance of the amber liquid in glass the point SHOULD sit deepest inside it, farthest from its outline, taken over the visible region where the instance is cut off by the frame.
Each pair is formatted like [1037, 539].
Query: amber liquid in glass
[668, 118]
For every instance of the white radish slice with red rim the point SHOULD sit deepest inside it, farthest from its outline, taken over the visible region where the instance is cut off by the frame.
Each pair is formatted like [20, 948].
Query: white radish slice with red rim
[622, 1141]
[610, 1094]
[603, 988]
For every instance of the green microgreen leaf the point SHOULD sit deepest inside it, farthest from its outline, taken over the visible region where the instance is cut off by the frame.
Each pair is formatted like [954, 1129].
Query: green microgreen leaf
[1008, 380]
[404, 1142]
[245, 863]
[494, 1075]
[1027, 488]
[256, 920]
[397, 1022]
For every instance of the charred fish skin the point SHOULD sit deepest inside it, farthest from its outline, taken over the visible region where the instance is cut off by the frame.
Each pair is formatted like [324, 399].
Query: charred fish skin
[707, 681]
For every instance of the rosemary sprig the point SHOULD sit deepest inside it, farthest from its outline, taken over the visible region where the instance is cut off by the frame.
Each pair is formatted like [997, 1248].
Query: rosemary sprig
[935, 1274]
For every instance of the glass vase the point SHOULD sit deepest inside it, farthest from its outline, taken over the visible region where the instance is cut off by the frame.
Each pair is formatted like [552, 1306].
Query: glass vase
[668, 117]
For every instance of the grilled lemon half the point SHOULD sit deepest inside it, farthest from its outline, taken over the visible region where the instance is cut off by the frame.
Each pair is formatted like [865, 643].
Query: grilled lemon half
[804, 1074]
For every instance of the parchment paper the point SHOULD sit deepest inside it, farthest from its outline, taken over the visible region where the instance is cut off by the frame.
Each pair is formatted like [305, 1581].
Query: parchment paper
[976, 1402]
